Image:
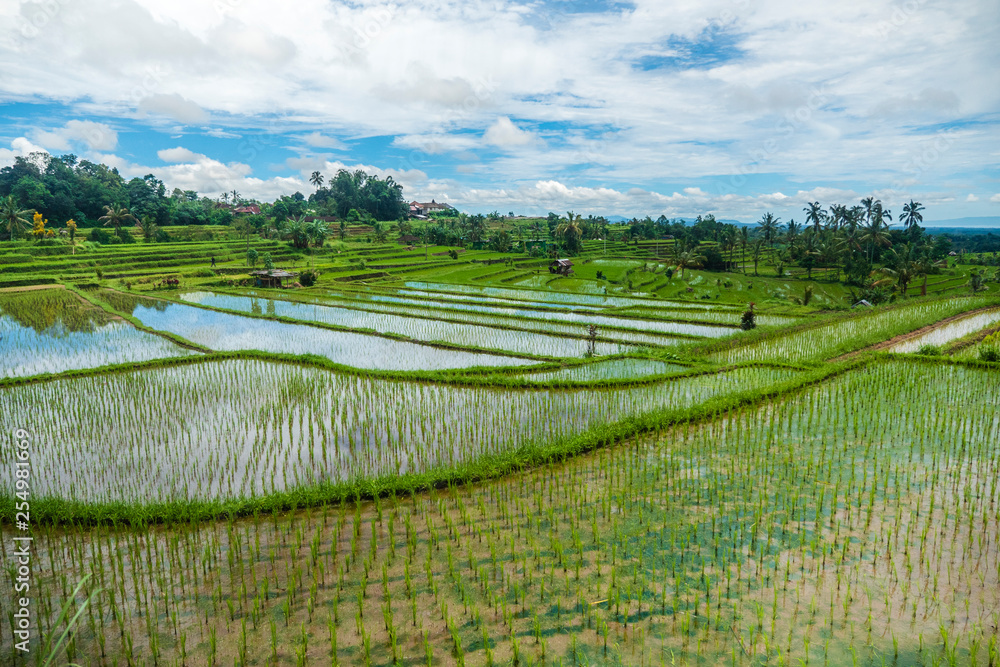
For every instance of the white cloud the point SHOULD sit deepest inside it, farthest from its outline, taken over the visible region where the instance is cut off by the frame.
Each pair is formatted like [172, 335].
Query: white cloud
[834, 103]
[19, 147]
[540, 197]
[505, 134]
[995, 198]
[172, 106]
[972, 198]
[95, 136]
[317, 140]
[180, 154]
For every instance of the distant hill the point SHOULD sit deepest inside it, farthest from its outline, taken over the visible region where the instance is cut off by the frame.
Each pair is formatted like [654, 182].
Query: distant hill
[963, 225]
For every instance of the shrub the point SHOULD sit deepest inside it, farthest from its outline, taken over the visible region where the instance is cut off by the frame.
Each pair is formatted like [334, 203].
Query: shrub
[929, 351]
[749, 320]
[98, 235]
[308, 277]
[453, 253]
[989, 352]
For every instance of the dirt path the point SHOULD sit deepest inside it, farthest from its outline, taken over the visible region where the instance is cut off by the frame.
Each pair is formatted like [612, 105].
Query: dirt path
[30, 288]
[913, 334]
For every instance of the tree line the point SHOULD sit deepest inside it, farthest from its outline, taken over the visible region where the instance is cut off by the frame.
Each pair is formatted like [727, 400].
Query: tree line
[66, 188]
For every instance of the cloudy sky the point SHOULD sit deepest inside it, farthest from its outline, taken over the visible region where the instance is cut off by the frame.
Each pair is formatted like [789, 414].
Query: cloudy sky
[731, 107]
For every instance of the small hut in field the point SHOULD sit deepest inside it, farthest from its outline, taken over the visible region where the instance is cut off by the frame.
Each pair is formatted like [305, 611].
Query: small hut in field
[272, 278]
[562, 267]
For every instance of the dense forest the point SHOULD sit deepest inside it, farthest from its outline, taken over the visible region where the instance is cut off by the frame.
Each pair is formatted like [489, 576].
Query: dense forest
[63, 188]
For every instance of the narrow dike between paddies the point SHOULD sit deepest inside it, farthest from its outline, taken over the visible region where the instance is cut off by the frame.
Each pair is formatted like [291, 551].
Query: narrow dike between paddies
[902, 338]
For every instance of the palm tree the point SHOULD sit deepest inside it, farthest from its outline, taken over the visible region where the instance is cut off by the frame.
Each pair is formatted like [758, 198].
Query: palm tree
[769, 226]
[744, 242]
[911, 214]
[875, 233]
[927, 265]
[815, 215]
[148, 226]
[868, 205]
[792, 232]
[116, 216]
[12, 217]
[569, 231]
[316, 179]
[687, 259]
[837, 216]
[812, 249]
[236, 198]
[756, 249]
[728, 243]
[904, 265]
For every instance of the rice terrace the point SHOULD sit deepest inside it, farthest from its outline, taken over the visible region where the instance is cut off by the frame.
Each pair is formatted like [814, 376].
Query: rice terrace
[561, 333]
[440, 455]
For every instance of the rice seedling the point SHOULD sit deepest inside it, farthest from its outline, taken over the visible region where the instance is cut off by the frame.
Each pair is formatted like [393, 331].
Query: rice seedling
[217, 431]
[850, 522]
[616, 369]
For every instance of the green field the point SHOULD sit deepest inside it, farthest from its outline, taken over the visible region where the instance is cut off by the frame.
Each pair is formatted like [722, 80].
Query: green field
[433, 460]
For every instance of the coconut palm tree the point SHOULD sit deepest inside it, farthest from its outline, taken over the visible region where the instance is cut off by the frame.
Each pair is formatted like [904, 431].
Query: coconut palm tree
[875, 231]
[904, 265]
[147, 224]
[837, 216]
[116, 216]
[815, 215]
[687, 259]
[316, 179]
[569, 231]
[911, 214]
[769, 227]
[744, 242]
[756, 250]
[792, 232]
[12, 216]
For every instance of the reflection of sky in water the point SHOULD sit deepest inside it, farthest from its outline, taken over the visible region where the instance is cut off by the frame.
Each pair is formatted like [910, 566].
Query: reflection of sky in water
[223, 331]
[418, 328]
[25, 351]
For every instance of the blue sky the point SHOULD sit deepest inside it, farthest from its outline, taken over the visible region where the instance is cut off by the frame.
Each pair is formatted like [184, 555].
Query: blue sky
[728, 107]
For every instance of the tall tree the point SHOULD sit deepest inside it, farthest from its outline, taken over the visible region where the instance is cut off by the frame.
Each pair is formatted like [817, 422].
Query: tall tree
[12, 216]
[569, 231]
[116, 216]
[316, 179]
[911, 214]
[815, 215]
[687, 259]
[769, 227]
